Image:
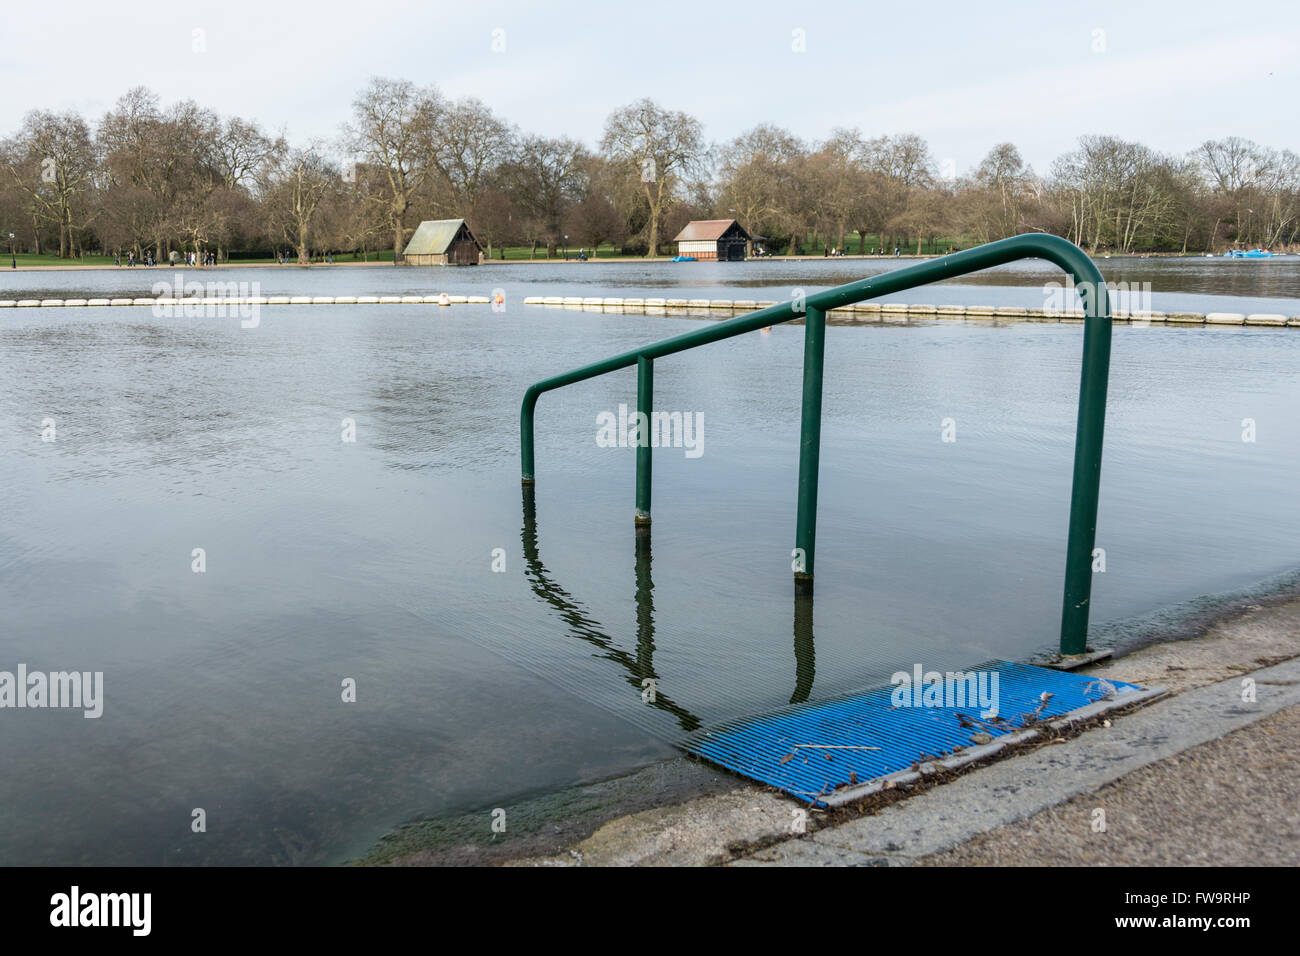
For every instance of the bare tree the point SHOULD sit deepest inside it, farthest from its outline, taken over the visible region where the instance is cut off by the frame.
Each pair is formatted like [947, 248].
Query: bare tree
[595, 218]
[996, 199]
[1119, 194]
[166, 156]
[240, 149]
[54, 161]
[392, 127]
[1259, 184]
[545, 180]
[296, 187]
[901, 164]
[469, 146]
[758, 173]
[357, 218]
[660, 147]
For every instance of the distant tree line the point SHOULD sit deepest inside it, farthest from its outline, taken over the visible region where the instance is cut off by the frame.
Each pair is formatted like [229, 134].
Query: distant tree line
[148, 178]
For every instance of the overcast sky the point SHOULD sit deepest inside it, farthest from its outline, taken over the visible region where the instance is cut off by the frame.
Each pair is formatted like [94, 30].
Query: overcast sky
[962, 75]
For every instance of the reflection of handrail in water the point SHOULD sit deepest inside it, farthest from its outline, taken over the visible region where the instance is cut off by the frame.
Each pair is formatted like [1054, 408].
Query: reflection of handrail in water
[642, 665]
[638, 666]
[805, 654]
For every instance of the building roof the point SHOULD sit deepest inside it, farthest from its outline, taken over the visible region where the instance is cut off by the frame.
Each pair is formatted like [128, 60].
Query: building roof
[705, 230]
[433, 237]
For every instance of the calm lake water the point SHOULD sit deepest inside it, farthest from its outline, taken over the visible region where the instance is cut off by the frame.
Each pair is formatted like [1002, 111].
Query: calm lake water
[372, 560]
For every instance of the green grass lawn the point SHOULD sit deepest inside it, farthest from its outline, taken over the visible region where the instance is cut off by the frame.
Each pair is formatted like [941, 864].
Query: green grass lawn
[31, 259]
[853, 245]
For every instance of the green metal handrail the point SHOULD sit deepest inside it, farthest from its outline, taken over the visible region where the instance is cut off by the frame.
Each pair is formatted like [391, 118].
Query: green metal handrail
[813, 308]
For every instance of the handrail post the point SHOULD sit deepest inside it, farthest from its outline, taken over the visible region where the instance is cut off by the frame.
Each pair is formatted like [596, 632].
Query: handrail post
[810, 440]
[1085, 490]
[645, 387]
[526, 435]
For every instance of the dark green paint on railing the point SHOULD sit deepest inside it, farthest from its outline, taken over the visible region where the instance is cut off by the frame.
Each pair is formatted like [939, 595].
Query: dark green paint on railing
[813, 308]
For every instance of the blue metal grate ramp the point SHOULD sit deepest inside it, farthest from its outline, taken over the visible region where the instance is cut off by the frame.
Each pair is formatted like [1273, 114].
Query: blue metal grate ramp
[827, 751]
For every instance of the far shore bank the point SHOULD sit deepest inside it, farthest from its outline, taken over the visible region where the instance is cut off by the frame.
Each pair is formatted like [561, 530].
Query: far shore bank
[166, 267]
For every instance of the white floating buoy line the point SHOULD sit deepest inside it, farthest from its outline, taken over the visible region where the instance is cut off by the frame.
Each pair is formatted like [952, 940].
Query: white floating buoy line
[863, 312]
[441, 299]
[902, 312]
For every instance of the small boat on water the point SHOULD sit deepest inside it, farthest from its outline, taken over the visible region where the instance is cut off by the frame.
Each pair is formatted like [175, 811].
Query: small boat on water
[1248, 254]
[682, 259]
